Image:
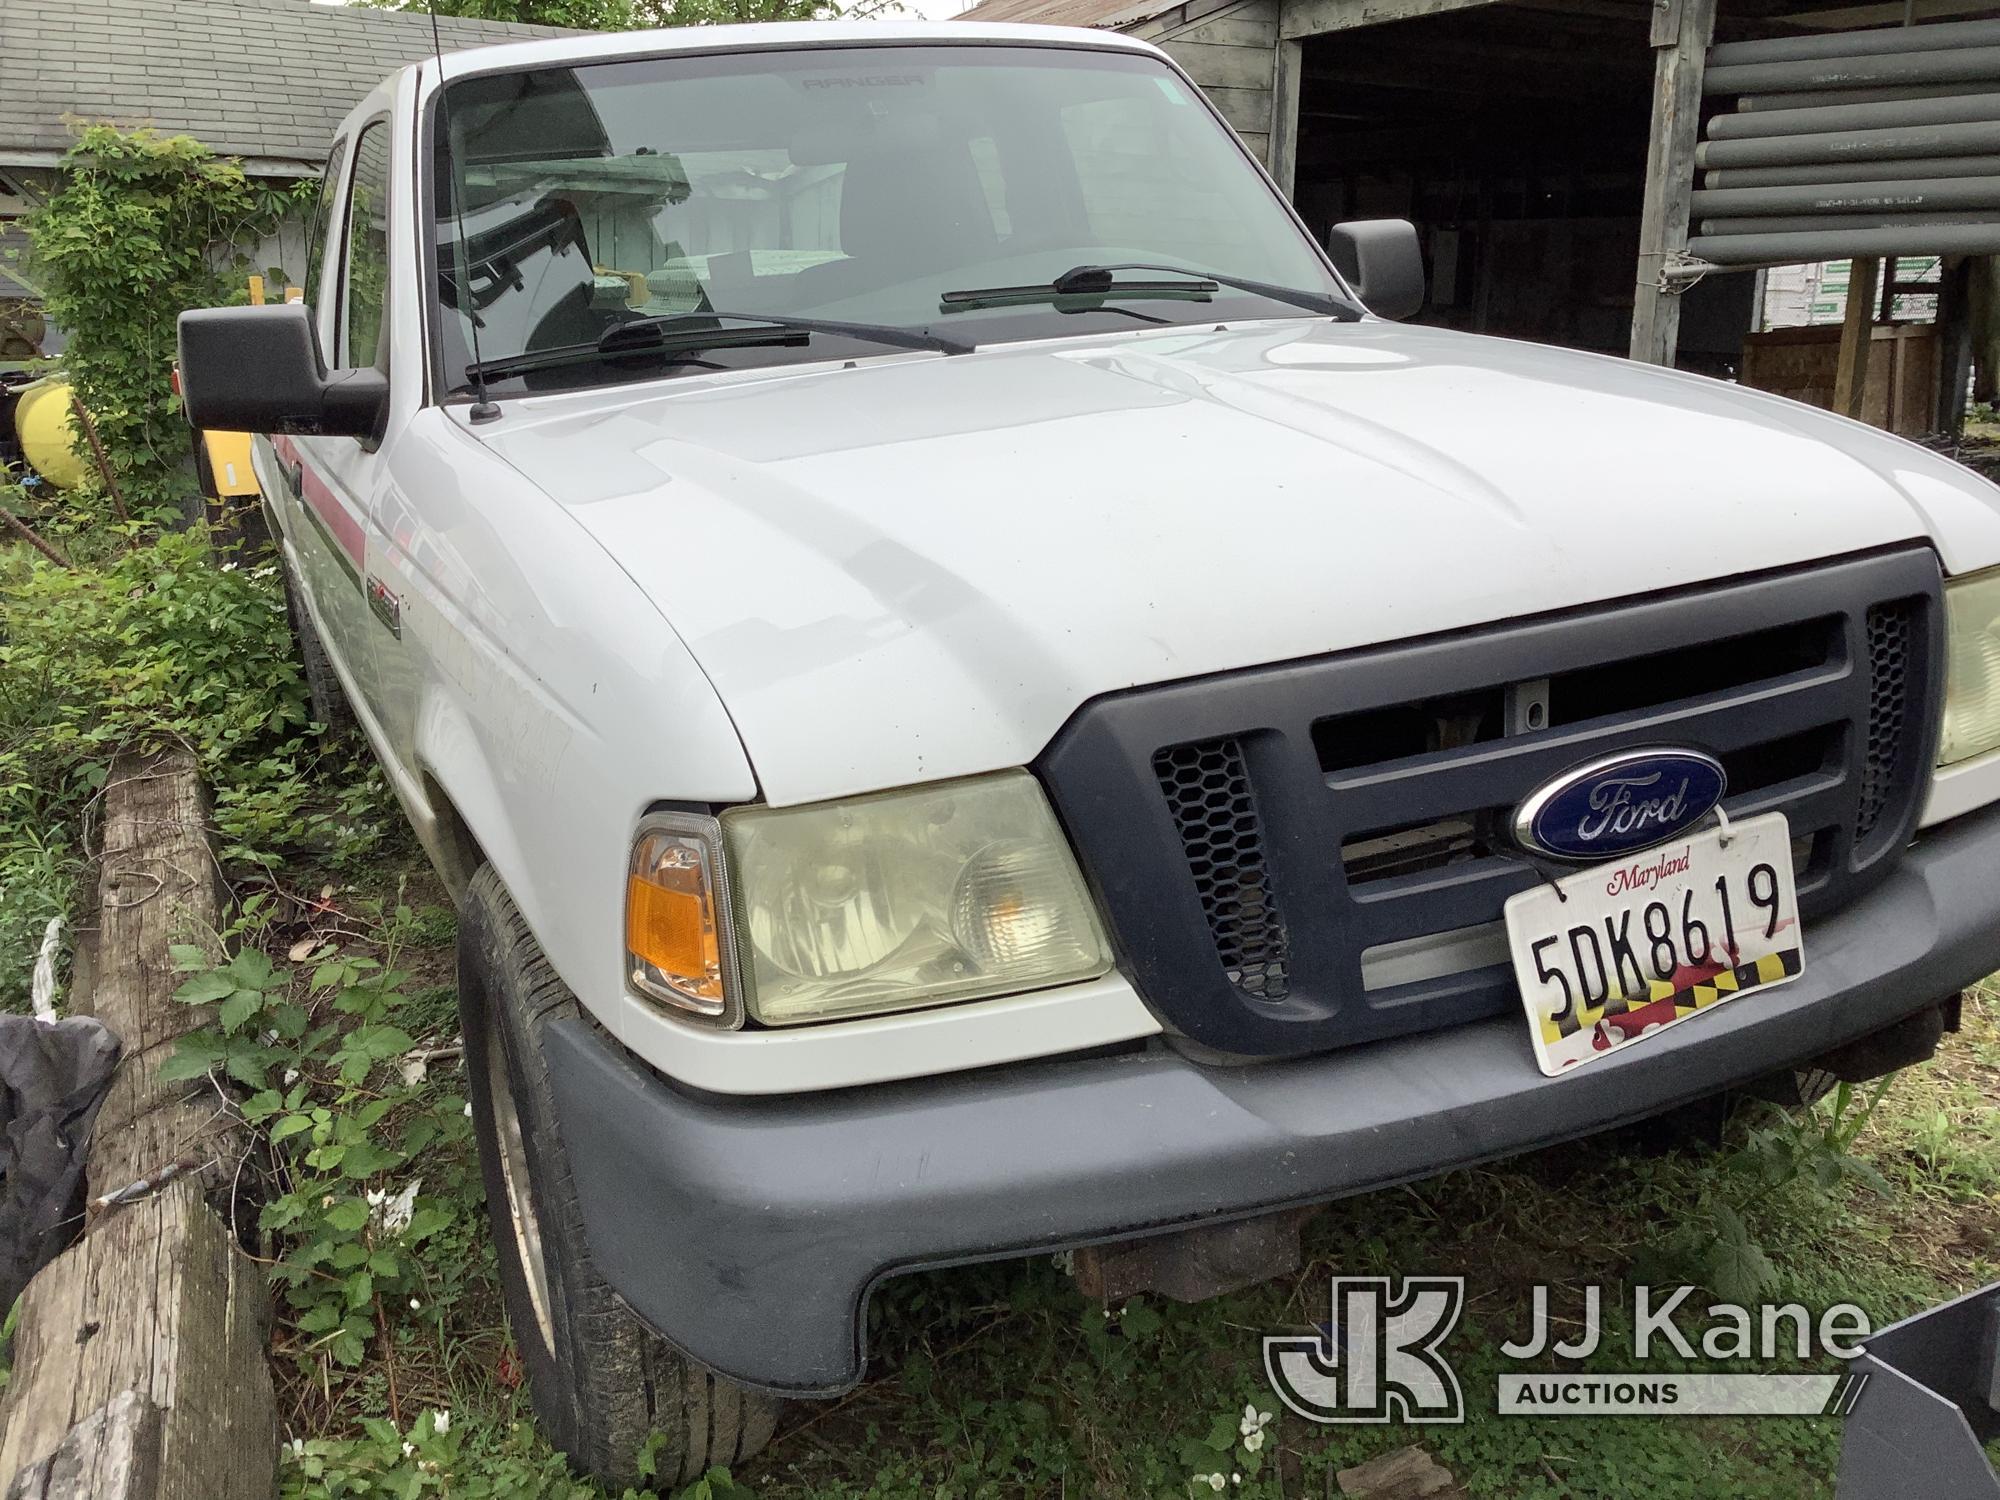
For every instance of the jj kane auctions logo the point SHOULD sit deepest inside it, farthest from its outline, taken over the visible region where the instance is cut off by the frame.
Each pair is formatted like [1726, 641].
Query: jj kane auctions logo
[1379, 1358]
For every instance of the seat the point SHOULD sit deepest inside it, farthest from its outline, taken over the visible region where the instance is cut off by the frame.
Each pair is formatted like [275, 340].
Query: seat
[906, 212]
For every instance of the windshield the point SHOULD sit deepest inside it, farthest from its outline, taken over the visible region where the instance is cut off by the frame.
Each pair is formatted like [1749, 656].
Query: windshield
[854, 185]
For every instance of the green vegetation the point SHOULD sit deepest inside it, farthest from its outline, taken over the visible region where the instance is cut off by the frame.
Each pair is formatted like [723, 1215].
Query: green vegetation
[168, 641]
[135, 634]
[142, 226]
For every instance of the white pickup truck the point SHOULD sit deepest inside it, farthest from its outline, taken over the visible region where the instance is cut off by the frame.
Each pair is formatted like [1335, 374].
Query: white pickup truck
[978, 696]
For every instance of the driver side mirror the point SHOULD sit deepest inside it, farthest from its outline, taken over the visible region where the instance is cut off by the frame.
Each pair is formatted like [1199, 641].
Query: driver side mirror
[259, 369]
[1381, 260]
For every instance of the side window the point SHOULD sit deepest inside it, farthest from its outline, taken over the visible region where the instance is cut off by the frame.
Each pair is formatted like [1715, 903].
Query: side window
[322, 215]
[364, 294]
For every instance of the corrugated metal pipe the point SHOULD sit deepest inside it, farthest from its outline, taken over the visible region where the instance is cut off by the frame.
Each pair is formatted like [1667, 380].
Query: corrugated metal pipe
[1816, 174]
[1967, 64]
[1871, 43]
[1957, 109]
[1793, 249]
[1835, 223]
[1842, 146]
[1860, 143]
[1946, 194]
[1751, 104]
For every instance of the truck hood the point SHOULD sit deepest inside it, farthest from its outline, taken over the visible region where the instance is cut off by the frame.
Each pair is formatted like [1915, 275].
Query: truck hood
[920, 566]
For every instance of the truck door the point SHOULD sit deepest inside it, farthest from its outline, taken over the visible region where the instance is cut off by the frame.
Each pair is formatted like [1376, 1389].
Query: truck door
[336, 477]
[319, 563]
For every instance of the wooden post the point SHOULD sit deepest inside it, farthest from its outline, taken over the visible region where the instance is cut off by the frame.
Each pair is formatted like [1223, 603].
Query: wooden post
[1857, 332]
[1954, 319]
[1285, 76]
[1681, 33]
[140, 1353]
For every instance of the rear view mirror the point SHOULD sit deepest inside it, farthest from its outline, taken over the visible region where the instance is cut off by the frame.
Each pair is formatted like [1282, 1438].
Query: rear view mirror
[1382, 262]
[259, 369]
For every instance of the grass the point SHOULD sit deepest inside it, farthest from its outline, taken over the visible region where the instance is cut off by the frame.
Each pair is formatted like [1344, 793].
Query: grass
[1002, 1381]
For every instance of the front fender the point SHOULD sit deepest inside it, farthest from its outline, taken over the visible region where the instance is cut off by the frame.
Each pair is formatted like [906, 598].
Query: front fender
[548, 702]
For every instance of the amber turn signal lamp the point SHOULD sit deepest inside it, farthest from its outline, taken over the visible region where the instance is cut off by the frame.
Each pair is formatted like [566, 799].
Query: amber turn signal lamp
[677, 936]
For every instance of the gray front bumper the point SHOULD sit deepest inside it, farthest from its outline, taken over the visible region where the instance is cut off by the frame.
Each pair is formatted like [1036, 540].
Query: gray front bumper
[749, 1231]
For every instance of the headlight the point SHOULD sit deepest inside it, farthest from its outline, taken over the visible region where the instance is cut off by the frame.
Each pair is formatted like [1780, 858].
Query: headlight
[908, 898]
[1972, 672]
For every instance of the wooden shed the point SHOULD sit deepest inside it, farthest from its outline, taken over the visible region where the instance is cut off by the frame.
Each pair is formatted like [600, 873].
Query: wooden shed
[1544, 148]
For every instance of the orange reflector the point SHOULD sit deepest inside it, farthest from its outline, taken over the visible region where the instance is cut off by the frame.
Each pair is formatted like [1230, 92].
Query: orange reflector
[670, 926]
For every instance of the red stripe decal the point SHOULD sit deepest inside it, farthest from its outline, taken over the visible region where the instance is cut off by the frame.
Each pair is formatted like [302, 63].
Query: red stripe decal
[344, 528]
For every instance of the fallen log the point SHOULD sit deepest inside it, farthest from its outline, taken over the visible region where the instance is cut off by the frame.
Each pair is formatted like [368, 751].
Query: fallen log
[139, 1353]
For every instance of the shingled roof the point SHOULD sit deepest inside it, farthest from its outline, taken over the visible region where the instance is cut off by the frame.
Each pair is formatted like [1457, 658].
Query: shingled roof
[1108, 15]
[266, 80]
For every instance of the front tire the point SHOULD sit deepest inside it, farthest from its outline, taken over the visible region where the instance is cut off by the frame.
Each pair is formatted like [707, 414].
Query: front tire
[601, 1381]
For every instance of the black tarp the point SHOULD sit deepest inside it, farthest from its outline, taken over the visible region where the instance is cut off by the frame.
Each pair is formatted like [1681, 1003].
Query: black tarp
[53, 1075]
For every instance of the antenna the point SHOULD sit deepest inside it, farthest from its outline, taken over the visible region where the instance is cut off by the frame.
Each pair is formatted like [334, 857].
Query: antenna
[483, 409]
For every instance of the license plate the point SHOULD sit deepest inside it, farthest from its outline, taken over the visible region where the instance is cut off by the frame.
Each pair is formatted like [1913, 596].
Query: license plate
[1610, 955]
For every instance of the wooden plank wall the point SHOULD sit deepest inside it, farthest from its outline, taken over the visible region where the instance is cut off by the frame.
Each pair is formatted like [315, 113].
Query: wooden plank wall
[1900, 391]
[1230, 51]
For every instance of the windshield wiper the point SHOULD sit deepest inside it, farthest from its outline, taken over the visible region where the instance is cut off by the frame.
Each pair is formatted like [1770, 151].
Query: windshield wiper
[670, 334]
[1102, 281]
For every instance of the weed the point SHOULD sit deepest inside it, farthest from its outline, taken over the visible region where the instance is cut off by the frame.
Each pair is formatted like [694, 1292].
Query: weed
[354, 1133]
[1816, 1143]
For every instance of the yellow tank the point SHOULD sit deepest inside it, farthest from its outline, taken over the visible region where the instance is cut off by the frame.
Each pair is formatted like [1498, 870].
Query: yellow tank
[47, 428]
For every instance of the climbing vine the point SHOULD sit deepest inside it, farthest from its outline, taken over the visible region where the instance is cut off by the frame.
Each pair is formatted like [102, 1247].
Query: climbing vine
[154, 632]
[143, 227]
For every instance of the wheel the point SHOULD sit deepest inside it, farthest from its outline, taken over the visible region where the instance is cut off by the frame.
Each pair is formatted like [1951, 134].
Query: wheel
[602, 1382]
[323, 690]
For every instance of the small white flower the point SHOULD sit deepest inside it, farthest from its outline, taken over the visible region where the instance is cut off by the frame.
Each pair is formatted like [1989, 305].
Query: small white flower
[468, 1109]
[291, 1076]
[1235, 1478]
[408, 1449]
[442, 1421]
[1252, 1441]
[1254, 1421]
[229, 567]
[298, 1447]
[1213, 1481]
[415, 1305]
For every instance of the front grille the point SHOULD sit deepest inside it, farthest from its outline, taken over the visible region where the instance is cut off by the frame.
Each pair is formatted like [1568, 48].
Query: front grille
[1894, 679]
[1306, 855]
[1208, 791]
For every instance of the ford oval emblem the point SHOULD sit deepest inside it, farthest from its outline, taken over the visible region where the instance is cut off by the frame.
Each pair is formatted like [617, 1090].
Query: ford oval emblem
[1621, 804]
